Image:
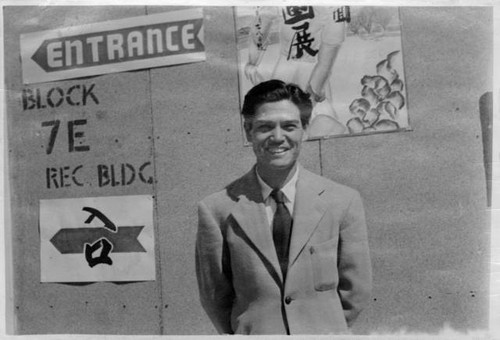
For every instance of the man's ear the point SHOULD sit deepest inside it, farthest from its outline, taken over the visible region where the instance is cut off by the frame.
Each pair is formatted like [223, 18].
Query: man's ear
[248, 128]
[305, 135]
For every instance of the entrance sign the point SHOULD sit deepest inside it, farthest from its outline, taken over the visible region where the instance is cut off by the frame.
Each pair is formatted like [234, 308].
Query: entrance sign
[113, 46]
[97, 239]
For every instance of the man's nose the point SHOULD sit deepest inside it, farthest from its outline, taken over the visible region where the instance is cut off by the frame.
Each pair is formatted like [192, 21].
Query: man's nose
[277, 134]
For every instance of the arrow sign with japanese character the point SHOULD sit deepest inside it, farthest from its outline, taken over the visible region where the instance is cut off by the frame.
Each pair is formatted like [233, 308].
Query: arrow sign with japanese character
[93, 239]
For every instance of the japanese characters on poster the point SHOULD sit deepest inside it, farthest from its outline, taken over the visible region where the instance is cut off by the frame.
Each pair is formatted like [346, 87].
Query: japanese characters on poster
[97, 239]
[349, 59]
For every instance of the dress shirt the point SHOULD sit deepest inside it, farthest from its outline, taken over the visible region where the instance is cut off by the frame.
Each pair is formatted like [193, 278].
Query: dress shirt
[288, 190]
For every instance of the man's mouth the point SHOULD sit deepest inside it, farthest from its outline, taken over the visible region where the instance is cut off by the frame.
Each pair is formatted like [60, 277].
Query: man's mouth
[277, 150]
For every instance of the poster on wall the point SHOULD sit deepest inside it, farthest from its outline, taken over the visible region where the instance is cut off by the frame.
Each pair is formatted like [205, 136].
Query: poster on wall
[113, 46]
[97, 239]
[350, 60]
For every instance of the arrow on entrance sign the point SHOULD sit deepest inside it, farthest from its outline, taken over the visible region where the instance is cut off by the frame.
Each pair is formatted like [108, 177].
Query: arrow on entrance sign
[72, 240]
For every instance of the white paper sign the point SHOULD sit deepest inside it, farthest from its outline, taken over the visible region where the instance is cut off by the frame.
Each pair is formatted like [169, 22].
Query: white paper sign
[97, 239]
[113, 46]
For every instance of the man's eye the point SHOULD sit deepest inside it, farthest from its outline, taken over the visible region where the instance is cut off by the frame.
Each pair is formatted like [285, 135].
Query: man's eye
[290, 127]
[264, 128]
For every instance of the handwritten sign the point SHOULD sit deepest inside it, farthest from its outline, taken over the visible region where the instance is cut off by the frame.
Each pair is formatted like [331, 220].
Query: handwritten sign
[97, 239]
[113, 46]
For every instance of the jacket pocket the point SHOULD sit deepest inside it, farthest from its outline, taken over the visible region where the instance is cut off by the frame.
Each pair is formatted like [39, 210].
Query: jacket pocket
[324, 265]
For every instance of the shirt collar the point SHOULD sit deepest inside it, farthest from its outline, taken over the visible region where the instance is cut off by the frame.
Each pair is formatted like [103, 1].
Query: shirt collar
[288, 189]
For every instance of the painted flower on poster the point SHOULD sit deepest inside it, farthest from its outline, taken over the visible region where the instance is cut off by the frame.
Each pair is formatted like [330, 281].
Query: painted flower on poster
[382, 98]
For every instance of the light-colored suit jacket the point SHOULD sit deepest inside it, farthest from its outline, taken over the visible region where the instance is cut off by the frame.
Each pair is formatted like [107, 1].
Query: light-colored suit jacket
[329, 272]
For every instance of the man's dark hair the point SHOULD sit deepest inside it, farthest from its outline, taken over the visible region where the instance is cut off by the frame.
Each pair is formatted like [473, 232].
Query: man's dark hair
[274, 91]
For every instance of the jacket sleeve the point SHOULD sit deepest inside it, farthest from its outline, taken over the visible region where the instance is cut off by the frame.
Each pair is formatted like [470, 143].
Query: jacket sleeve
[354, 267]
[213, 271]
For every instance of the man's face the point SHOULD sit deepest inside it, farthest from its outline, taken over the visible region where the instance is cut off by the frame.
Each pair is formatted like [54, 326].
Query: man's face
[276, 135]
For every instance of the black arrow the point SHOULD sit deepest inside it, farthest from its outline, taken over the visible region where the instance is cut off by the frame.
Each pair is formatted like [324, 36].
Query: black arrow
[40, 55]
[72, 240]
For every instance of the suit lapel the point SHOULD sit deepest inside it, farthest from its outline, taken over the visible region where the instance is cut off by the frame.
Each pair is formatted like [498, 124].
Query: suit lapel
[250, 214]
[308, 211]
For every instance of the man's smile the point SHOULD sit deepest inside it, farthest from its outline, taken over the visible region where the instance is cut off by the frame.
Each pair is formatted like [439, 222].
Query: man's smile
[277, 150]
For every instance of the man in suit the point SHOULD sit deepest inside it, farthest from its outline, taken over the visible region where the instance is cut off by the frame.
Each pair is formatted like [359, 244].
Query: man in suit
[281, 250]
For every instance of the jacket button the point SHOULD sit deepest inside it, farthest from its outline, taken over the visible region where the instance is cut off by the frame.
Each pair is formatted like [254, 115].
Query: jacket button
[288, 300]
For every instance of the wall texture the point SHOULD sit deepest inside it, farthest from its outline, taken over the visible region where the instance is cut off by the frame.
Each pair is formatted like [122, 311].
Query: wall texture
[424, 190]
